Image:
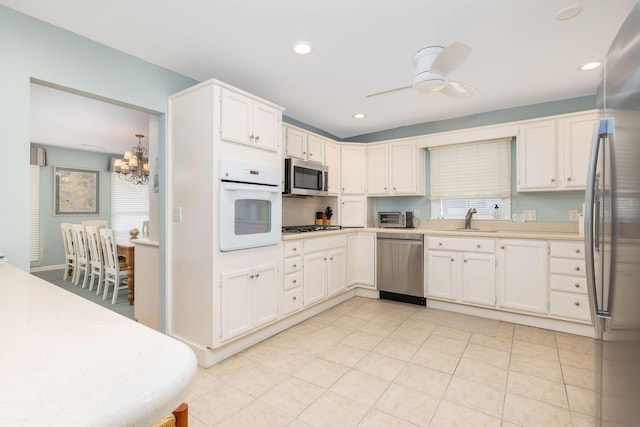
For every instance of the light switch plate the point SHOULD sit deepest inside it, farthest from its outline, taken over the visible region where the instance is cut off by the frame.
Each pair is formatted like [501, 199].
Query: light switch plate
[573, 215]
[177, 214]
[416, 213]
[529, 215]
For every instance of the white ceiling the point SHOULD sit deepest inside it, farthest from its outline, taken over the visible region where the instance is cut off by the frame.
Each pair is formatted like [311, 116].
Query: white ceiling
[520, 54]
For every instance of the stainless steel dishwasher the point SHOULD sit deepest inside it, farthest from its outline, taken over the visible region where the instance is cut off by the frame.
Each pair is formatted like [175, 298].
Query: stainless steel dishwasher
[400, 267]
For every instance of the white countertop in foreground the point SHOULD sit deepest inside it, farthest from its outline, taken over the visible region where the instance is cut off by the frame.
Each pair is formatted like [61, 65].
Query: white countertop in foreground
[65, 361]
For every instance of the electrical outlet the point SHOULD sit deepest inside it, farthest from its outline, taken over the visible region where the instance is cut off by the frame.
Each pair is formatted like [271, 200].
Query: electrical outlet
[529, 215]
[45, 251]
[573, 215]
[416, 213]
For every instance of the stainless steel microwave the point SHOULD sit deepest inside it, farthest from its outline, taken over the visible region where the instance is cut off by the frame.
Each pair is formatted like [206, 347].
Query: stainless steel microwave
[395, 219]
[305, 178]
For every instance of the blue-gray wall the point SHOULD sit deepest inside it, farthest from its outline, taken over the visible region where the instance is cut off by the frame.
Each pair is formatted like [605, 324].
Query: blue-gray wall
[51, 250]
[32, 49]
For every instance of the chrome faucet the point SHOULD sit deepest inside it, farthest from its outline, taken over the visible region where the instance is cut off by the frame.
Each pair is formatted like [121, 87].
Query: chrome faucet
[467, 218]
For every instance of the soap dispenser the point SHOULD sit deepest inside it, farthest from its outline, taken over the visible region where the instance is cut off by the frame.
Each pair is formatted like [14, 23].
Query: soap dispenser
[496, 212]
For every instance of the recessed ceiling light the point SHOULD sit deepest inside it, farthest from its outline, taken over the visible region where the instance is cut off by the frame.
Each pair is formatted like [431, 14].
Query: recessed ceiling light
[302, 48]
[568, 12]
[359, 116]
[590, 66]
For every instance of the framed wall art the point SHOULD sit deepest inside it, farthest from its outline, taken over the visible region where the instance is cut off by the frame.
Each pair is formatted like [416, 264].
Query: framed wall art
[76, 191]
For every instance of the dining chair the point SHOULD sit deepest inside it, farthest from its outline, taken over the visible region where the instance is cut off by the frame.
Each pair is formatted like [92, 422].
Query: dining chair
[96, 259]
[69, 251]
[178, 418]
[112, 273]
[82, 256]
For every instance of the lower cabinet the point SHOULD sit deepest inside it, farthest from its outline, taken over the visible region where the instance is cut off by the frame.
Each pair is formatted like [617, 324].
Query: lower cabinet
[361, 259]
[249, 299]
[568, 282]
[522, 275]
[324, 268]
[464, 271]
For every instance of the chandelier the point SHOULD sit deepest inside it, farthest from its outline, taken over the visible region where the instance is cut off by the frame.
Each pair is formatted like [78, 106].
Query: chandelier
[133, 167]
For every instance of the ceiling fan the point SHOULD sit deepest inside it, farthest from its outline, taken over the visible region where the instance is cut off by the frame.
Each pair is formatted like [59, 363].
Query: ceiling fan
[433, 63]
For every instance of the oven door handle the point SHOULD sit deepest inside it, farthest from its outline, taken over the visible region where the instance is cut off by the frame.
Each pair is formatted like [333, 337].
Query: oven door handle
[262, 188]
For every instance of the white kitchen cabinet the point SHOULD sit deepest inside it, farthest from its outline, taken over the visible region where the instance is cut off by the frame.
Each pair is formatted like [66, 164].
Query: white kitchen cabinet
[353, 169]
[353, 211]
[461, 270]
[332, 161]
[522, 275]
[324, 267]
[395, 169]
[247, 121]
[553, 154]
[248, 300]
[303, 145]
[567, 281]
[361, 258]
[292, 280]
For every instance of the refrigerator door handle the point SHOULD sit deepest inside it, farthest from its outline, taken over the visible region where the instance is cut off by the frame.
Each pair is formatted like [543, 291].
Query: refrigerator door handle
[600, 318]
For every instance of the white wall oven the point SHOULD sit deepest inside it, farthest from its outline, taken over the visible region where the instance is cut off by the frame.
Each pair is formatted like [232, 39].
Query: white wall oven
[250, 205]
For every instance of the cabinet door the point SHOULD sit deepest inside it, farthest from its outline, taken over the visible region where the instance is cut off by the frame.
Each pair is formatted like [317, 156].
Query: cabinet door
[314, 282]
[522, 275]
[296, 144]
[578, 134]
[479, 279]
[265, 292]
[537, 156]
[353, 211]
[332, 160]
[441, 274]
[266, 127]
[336, 271]
[352, 169]
[404, 168]
[236, 303]
[378, 170]
[236, 118]
[361, 258]
[315, 152]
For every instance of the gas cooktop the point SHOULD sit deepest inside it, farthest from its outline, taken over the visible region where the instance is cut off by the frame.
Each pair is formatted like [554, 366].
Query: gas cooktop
[292, 229]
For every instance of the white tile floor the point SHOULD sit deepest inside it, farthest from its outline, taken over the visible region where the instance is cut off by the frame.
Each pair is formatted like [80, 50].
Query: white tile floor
[379, 363]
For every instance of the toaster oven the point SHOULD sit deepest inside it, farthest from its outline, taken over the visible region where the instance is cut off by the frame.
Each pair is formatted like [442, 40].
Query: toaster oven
[395, 219]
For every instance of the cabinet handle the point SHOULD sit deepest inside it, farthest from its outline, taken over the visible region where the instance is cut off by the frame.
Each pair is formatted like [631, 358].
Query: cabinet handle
[394, 188]
[439, 243]
[294, 298]
[310, 154]
[294, 281]
[569, 179]
[553, 180]
[385, 188]
[251, 138]
[452, 259]
[577, 268]
[325, 258]
[577, 304]
[478, 246]
[577, 285]
[464, 260]
[304, 152]
[251, 276]
[331, 259]
[577, 251]
[257, 138]
[295, 265]
[501, 247]
[294, 249]
[257, 275]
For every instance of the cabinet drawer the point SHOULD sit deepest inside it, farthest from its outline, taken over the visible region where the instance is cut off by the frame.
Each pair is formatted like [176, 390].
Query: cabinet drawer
[292, 300]
[567, 266]
[576, 285]
[292, 280]
[567, 249]
[292, 248]
[466, 245]
[569, 305]
[324, 243]
[292, 264]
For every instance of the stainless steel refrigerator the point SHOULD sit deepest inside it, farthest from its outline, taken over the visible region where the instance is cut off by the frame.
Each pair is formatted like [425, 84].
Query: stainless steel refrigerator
[612, 231]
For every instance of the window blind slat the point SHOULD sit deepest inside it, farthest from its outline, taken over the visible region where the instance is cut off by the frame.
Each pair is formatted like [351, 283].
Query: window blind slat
[129, 205]
[34, 216]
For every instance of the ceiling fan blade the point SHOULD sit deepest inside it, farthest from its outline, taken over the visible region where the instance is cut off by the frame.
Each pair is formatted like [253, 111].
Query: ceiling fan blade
[450, 58]
[458, 90]
[385, 92]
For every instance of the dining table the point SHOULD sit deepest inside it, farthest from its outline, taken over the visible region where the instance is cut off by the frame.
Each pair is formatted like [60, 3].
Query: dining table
[127, 248]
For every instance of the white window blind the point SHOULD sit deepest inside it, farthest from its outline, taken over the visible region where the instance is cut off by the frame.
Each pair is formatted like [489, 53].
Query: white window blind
[471, 171]
[34, 217]
[129, 205]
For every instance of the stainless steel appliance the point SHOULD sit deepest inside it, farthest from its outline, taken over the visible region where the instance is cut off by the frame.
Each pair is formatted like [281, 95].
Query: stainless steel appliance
[250, 213]
[305, 178]
[395, 219]
[612, 231]
[400, 267]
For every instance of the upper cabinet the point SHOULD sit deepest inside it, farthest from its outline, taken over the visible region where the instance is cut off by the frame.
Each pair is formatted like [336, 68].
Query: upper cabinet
[332, 161]
[353, 168]
[247, 121]
[553, 154]
[395, 169]
[303, 145]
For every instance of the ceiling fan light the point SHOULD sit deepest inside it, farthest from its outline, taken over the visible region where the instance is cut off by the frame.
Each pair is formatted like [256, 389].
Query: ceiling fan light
[428, 82]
